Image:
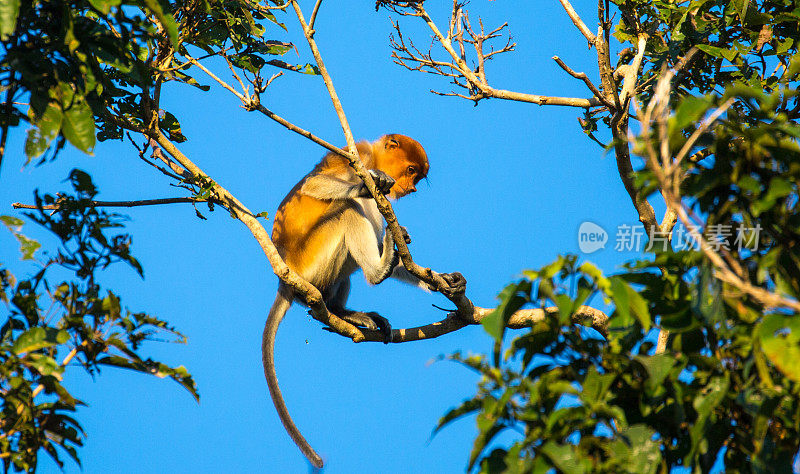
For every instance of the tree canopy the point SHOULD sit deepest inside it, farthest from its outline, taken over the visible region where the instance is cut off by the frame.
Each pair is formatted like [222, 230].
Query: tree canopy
[684, 358]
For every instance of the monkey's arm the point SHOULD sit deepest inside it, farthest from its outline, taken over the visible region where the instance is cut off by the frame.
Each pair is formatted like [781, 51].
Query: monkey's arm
[329, 187]
[362, 244]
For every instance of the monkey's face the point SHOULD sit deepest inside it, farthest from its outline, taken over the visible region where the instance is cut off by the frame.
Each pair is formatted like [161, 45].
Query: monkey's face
[405, 181]
[405, 160]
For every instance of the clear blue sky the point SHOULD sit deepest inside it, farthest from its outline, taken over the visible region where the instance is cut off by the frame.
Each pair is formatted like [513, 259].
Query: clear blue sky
[509, 185]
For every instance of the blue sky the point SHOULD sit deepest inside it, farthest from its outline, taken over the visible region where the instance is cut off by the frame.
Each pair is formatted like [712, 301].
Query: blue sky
[510, 184]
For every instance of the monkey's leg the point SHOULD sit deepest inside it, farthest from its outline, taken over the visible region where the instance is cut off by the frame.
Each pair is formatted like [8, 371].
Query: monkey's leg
[371, 320]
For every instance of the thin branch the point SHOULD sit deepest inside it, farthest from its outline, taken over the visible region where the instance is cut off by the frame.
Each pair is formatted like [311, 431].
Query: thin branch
[582, 76]
[576, 20]
[475, 81]
[143, 202]
[519, 320]
[219, 81]
[667, 174]
[427, 275]
[313, 18]
[9, 108]
[632, 72]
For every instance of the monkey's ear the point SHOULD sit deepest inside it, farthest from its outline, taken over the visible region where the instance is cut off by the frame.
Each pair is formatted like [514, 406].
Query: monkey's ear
[391, 142]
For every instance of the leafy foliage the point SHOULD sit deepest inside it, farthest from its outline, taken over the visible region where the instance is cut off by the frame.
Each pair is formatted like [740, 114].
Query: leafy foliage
[726, 393]
[728, 389]
[93, 68]
[51, 323]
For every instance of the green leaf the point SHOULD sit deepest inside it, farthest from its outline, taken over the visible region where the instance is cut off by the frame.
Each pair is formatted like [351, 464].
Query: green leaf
[658, 368]
[629, 303]
[512, 298]
[14, 224]
[45, 129]
[179, 374]
[38, 338]
[305, 69]
[779, 336]
[166, 19]
[778, 188]
[248, 62]
[705, 403]
[105, 5]
[718, 52]
[595, 386]
[9, 10]
[27, 247]
[566, 458]
[467, 407]
[597, 275]
[78, 127]
[645, 454]
[45, 365]
[690, 110]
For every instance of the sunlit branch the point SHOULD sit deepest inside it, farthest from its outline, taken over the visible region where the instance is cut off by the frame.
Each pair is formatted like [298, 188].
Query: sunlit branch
[143, 202]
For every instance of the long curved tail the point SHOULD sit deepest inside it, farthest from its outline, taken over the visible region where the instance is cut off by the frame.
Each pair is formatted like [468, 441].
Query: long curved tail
[283, 301]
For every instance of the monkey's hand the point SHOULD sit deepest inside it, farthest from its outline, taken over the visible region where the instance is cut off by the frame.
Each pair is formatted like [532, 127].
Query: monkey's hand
[383, 181]
[457, 284]
[406, 237]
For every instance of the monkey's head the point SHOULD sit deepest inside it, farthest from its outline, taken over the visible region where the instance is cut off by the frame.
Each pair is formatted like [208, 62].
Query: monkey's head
[402, 158]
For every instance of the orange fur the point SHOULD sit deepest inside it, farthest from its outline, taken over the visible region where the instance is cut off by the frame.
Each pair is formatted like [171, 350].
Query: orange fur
[300, 225]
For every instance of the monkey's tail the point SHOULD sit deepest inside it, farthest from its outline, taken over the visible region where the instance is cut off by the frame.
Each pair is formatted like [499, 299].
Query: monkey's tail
[283, 301]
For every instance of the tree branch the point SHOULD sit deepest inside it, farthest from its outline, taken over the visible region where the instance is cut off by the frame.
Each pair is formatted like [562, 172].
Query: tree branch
[464, 305]
[576, 20]
[582, 76]
[475, 82]
[144, 202]
[521, 319]
[9, 107]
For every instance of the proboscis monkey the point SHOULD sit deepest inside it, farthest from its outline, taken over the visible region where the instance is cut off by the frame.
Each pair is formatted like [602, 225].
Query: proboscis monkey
[327, 227]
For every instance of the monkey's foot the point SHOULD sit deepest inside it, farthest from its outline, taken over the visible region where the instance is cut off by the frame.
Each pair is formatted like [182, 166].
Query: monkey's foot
[371, 320]
[456, 282]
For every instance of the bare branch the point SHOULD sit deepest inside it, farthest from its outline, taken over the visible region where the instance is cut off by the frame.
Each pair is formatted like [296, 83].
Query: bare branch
[519, 320]
[9, 107]
[427, 275]
[582, 76]
[314, 16]
[475, 81]
[143, 202]
[632, 73]
[576, 20]
[219, 81]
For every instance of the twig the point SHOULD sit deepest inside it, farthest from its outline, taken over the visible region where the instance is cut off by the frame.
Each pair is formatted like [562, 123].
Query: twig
[143, 202]
[465, 307]
[475, 82]
[313, 18]
[576, 20]
[9, 106]
[582, 76]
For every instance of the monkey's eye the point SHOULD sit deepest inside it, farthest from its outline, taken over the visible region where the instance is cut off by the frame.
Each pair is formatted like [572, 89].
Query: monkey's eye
[411, 170]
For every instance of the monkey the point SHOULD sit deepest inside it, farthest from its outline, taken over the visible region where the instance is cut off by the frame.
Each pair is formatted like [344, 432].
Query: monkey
[327, 227]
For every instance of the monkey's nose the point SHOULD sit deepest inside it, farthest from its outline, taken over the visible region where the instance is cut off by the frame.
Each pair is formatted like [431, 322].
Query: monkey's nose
[412, 189]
